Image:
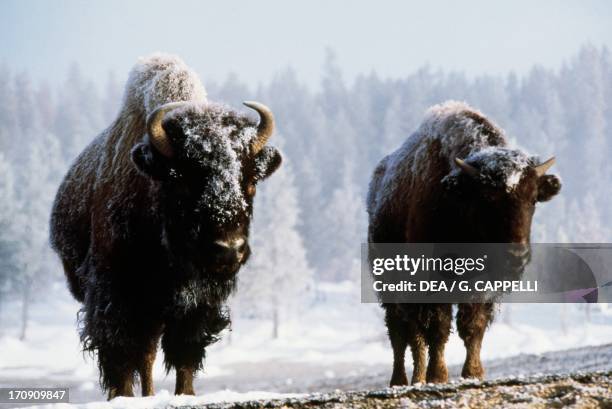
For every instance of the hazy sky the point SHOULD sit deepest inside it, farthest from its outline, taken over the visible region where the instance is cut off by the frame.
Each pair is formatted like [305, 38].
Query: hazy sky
[255, 39]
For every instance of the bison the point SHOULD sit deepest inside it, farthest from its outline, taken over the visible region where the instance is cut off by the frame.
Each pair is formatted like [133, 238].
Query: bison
[455, 180]
[152, 222]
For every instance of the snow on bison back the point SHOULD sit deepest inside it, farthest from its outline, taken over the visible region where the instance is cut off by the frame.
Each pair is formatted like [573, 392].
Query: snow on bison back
[152, 223]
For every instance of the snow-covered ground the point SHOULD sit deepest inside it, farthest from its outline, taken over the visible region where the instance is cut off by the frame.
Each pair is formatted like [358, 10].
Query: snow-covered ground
[164, 399]
[336, 336]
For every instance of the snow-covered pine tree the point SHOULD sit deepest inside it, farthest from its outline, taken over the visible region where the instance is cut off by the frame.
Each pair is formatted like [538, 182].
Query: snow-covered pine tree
[38, 167]
[277, 279]
[344, 221]
[8, 244]
[8, 108]
[73, 125]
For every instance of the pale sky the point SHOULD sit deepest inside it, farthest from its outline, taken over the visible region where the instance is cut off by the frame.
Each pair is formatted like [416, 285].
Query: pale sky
[256, 39]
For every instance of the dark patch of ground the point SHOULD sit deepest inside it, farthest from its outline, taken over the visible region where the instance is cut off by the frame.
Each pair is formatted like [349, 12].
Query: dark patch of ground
[579, 390]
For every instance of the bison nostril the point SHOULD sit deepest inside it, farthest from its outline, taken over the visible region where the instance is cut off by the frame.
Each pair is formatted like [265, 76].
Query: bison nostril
[230, 244]
[230, 250]
[241, 246]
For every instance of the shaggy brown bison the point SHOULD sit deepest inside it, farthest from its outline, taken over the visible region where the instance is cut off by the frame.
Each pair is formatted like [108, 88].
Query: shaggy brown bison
[152, 222]
[455, 180]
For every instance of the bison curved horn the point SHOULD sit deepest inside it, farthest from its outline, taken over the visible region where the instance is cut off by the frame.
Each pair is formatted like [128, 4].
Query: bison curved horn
[156, 132]
[469, 169]
[543, 167]
[265, 127]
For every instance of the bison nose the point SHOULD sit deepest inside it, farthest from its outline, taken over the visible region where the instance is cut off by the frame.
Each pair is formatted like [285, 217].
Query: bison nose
[230, 251]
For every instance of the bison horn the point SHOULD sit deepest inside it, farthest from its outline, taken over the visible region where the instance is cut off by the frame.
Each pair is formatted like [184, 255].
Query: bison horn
[265, 127]
[469, 169]
[542, 168]
[156, 132]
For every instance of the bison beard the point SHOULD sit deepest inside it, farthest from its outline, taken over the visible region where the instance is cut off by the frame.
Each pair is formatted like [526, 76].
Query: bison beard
[152, 221]
[454, 180]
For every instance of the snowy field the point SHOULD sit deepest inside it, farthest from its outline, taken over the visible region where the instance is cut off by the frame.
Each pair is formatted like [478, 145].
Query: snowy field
[335, 337]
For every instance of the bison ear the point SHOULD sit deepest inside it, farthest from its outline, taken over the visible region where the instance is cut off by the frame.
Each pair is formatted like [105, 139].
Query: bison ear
[548, 186]
[150, 162]
[266, 162]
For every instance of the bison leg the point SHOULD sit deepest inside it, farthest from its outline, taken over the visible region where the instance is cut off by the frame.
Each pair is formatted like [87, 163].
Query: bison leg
[184, 380]
[419, 358]
[472, 321]
[437, 335]
[123, 389]
[118, 366]
[401, 334]
[117, 372]
[183, 353]
[145, 368]
[185, 340]
[399, 342]
[116, 354]
[125, 342]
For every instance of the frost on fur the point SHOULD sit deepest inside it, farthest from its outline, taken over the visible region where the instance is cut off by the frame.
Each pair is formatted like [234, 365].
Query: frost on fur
[161, 78]
[217, 138]
[452, 129]
[498, 166]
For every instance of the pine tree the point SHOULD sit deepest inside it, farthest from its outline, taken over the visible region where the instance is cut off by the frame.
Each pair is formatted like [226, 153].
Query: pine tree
[8, 114]
[72, 124]
[344, 230]
[8, 244]
[334, 94]
[38, 167]
[277, 279]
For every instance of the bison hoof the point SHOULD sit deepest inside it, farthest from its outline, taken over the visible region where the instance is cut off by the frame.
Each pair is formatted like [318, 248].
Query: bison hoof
[418, 380]
[399, 380]
[185, 392]
[472, 370]
[439, 375]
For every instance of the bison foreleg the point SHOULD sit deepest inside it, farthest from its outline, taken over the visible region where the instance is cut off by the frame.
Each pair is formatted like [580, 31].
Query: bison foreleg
[124, 339]
[184, 352]
[117, 372]
[184, 380]
[472, 322]
[437, 335]
[184, 342]
[419, 357]
[145, 368]
[125, 389]
[402, 334]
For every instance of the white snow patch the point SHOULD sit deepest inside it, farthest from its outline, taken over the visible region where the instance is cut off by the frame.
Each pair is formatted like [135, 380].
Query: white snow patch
[165, 399]
[499, 166]
[161, 78]
[452, 124]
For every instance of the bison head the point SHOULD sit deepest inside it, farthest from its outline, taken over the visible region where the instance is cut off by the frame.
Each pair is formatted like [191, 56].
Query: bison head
[494, 192]
[206, 161]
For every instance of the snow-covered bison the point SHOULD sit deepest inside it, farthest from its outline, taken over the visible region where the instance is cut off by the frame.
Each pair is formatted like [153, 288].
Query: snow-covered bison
[455, 180]
[152, 222]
